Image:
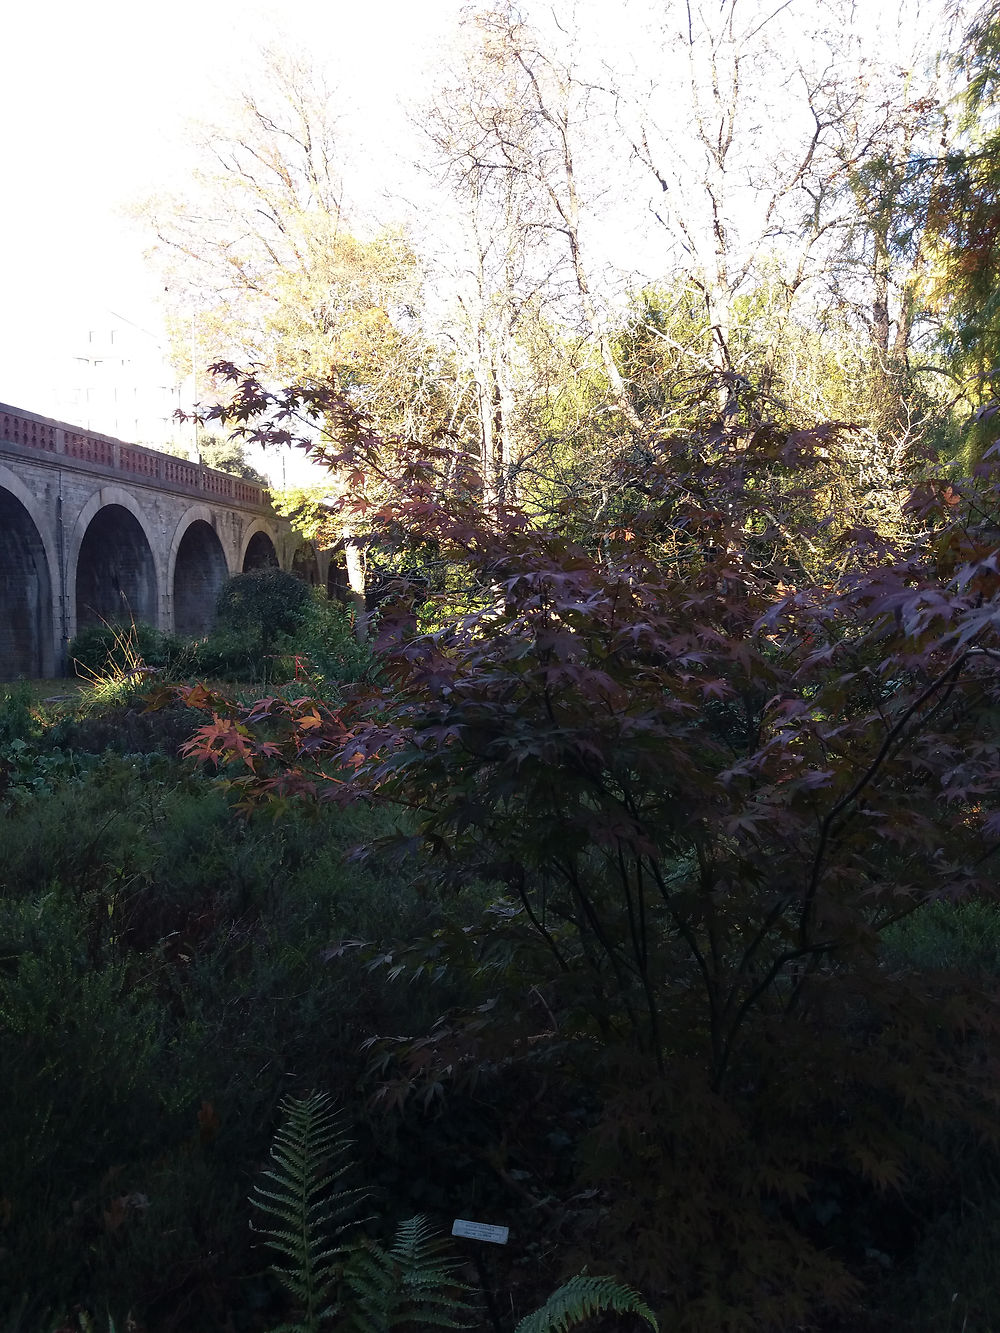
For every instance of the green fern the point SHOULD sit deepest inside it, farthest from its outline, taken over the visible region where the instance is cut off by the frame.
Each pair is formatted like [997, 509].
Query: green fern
[581, 1297]
[412, 1283]
[305, 1212]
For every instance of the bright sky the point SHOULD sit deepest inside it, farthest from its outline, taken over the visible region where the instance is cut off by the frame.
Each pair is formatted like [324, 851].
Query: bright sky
[94, 100]
[93, 104]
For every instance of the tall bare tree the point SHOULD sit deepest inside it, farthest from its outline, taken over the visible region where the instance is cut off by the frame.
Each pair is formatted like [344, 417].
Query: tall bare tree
[261, 262]
[509, 123]
[730, 112]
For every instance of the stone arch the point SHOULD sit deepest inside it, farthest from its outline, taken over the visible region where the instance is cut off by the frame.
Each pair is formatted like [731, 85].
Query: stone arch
[197, 567]
[112, 569]
[28, 570]
[259, 548]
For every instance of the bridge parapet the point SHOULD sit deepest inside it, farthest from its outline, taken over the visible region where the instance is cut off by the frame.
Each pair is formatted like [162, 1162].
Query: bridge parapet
[56, 438]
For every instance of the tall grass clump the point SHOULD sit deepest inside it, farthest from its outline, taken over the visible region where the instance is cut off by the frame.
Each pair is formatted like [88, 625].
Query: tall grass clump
[946, 936]
[121, 649]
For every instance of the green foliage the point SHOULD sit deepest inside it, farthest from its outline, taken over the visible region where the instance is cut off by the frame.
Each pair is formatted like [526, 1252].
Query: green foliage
[962, 189]
[160, 954]
[78, 1046]
[18, 721]
[231, 654]
[263, 603]
[666, 336]
[266, 618]
[227, 455]
[22, 770]
[122, 670]
[326, 639]
[944, 935]
[309, 510]
[304, 1211]
[119, 721]
[413, 1282]
[582, 1297]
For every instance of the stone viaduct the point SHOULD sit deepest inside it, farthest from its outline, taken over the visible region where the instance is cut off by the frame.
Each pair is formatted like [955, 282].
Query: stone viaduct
[94, 529]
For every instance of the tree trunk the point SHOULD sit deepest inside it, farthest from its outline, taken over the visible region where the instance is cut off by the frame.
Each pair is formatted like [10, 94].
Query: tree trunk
[354, 558]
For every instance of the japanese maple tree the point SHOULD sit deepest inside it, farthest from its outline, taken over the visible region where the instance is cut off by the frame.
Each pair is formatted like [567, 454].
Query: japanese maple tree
[702, 785]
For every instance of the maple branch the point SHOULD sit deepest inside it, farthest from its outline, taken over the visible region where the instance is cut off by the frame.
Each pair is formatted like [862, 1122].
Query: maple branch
[640, 944]
[813, 952]
[687, 934]
[859, 786]
[539, 926]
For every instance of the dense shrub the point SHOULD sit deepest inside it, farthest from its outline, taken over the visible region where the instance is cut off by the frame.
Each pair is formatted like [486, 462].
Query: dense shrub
[326, 638]
[964, 937]
[271, 626]
[310, 636]
[119, 720]
[264, 604]
[17, 714]
[79, 1042]
[230, 654]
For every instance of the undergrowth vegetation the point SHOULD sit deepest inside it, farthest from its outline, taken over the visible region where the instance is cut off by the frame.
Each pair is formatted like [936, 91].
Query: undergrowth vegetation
[162, 986]
[171, 967]
[269, 627]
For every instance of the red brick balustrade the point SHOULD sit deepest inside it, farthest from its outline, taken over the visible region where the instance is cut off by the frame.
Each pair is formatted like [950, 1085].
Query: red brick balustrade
[89, 447]
[174, 469]
[23, 430]
[143, 464]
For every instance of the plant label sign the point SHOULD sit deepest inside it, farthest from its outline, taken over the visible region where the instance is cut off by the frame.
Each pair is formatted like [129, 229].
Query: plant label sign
[480, 1231]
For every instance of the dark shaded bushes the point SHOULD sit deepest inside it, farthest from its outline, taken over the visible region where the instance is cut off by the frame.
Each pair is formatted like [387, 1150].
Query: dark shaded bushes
[161, 987]
[964, 937]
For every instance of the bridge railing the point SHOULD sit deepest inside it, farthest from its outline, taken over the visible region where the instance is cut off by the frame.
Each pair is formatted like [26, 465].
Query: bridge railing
[86, 446]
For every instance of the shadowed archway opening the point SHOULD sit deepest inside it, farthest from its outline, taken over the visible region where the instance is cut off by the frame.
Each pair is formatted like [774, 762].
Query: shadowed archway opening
[260, 553]
[199, 573]
[338, 584]
[115, 574]
[25, 594]
[305, 565]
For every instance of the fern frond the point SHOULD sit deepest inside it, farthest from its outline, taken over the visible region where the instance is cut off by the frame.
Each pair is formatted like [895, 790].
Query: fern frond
[303, 1211]
[414, 1282]
[581, 1297]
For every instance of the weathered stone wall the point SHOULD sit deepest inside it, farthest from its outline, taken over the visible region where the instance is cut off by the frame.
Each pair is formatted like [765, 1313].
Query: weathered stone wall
[93, 528]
